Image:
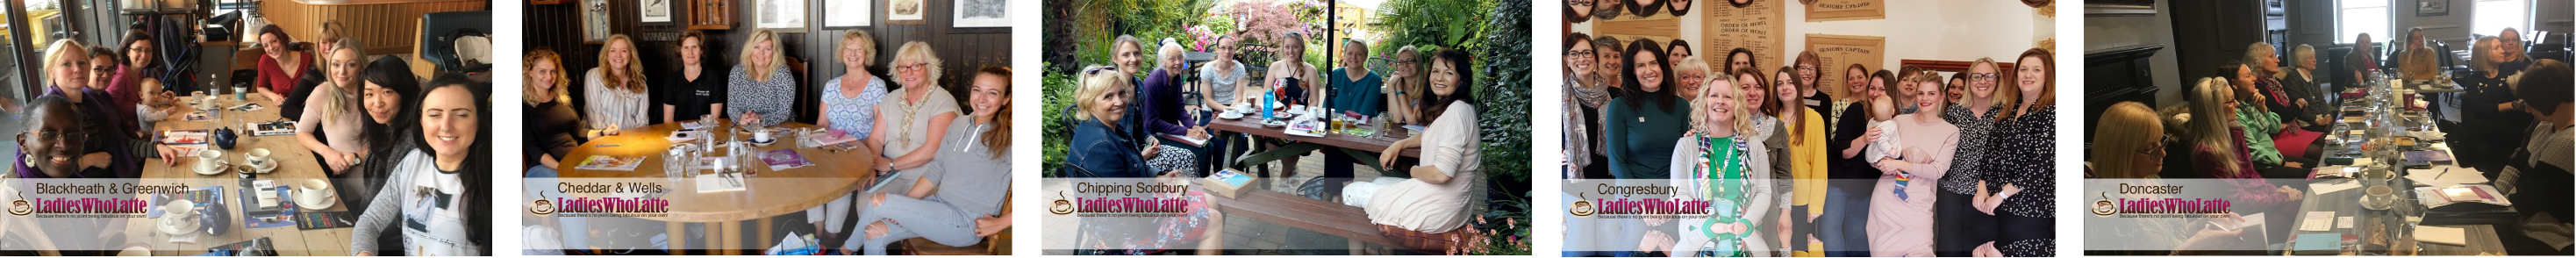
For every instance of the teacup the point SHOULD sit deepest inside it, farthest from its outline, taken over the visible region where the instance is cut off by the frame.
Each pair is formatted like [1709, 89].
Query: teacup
[258, 158]
[210, 160]
[2379, 195]
[760, 135]
[315, 193]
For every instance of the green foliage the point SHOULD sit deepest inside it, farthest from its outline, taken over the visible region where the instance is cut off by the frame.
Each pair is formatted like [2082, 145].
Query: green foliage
[1431, 23]
[1505, 121]
[1057, 91]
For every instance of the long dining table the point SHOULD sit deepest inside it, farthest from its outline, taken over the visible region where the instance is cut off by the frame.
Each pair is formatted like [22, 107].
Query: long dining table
[295, 167]
[1347, 144]
[2390, 230]
[767, 193]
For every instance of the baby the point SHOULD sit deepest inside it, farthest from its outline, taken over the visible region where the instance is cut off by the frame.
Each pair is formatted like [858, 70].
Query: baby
[156, 104]
[1882, 116]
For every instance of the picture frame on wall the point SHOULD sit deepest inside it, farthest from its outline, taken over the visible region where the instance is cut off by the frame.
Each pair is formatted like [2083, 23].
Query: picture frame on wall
[595, 21]
[980, 16]
[906, 12]
[783, 16]
[849, 14]
[658, 12]
[2432, 7]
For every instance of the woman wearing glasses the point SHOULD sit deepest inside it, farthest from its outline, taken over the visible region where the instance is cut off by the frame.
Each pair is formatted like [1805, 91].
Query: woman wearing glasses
[1964, 223]
[762, 92]
[1585, 92]
[919, 116]
[1405, 88]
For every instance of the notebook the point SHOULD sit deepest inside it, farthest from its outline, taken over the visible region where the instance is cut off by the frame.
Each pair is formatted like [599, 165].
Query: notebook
[2441, 235]
[2317, 244]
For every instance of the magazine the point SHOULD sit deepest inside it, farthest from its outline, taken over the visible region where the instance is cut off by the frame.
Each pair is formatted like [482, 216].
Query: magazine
[605, 162]
[783, 159]
[271, 128]
[183, 137]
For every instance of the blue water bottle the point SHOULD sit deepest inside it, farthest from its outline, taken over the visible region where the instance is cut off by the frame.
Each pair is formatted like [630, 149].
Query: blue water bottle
[1265, 105]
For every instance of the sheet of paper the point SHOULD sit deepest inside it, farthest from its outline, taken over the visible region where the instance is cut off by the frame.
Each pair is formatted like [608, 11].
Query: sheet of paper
[2317, 221]
[2445, 176]
[2441, 235]
[2343, 222]
[2333, 186]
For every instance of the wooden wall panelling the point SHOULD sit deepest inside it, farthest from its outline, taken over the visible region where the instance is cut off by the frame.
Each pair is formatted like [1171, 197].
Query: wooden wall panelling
[555, 27]
[384, 28]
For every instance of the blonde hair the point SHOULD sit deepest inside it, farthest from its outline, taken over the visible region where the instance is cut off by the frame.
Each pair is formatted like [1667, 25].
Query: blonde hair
[1699, 107]
[330, 93]
[2300, 54]
[1094, 85]
[331, 32]
[2209, 127]
[777, 56]
[918, 51]
[2478, 59]
[634, 72]
[1695, 65]
[64, 48]
[867, 46]
[561, 81]
[2117, 136]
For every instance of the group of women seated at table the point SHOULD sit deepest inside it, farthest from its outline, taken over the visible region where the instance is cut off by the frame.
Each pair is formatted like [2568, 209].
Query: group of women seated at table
[371, 125]
[954, 156]
[1813, 174]
[2258, 120]
[1118, 114]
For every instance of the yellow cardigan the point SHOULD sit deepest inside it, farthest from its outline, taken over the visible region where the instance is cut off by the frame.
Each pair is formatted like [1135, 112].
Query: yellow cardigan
[1807, 161]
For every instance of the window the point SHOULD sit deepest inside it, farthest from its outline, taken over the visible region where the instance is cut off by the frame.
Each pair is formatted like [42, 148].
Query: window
[2363, 16]
[2495, 15]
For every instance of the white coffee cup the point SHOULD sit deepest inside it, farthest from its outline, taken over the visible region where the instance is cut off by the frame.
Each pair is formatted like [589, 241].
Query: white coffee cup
[210, 160]
[761, 135]
[257, 158]
[314, 191]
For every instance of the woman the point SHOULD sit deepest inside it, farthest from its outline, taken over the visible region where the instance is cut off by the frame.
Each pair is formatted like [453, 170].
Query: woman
[2545, 88]
[2219, 148]
[2261, 124]
[1957, 88]
[2419, 61]
[1578, 11]
[553, 128]
[442, 169]
[1108, 149]
[141, 66]
[1644, 8]
[2129, 142]
[1291, 74]
[1406, 86]
[1803, 134]
[1586, 91]
[1963, 222]
[2490, 123]
[1129, 54]
[1159, 99]
[1224, 77]
[1719, 161]
[103, 66]
[391, 110]
[330, 126]
[1900, 219]
[616, 90]
[1681, 7]
[850, 101]
[1444, 184]
[2363, 61]
[1810, 72]
[284, 64]
[330, 39]
[693, 92]
[1905, 83]
[918, 117]
[1354, 87]
[1856, 79]
[2301, 83]
[1612, 64]
[1680, 50]
[2283, 103]
[763, 93]
[1690, 73]
[67, 62]
[966, 208]
[54, 142]
[1642, 123]
[2021, 162]
[1607, 9]
[1740, 58]
[2514, 59]
[1839, 207]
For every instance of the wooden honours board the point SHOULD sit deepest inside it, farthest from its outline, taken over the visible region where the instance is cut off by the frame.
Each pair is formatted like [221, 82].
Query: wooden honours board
[1758, 27]
[1843, 10]
[1838, 52]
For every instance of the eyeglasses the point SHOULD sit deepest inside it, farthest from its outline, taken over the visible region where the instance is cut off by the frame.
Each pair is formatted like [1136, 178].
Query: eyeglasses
[57, 136]
[1097, 69]
[2158, 148]
[1981, 76]
[1578, 3]
[1807, 69]
[103, 69]
[1405, 62]
[909, 67]
[1580, 53]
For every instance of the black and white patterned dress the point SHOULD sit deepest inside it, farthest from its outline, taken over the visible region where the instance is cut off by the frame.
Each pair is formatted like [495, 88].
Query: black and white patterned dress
[1961, 226]
[2023, 154]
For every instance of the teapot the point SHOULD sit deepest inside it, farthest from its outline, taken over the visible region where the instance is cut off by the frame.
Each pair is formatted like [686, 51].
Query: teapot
[224, 138]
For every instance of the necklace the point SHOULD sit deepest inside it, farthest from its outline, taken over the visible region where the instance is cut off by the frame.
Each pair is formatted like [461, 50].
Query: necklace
[903, 129]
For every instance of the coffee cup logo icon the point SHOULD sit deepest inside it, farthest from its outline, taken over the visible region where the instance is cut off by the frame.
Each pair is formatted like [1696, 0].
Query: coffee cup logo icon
[21, 208]
[542, 207]
[2104, 207]
[1582, 208]
[1060, 206]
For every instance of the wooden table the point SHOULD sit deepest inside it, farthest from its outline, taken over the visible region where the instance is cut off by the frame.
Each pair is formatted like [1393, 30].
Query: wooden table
[1300, 212]
[295, 164]
[1353, 145]
[769, 194]
[2481, 238]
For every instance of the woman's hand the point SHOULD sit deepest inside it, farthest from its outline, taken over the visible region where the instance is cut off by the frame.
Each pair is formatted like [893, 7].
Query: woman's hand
[989, 226]
[884, 164]
[1151, 148]
[169, 155]
[1865, 138]
[1988, 250]
[747, 118]
[1386, 159]
[339, 163]
[2294, 193]
[1200, 132]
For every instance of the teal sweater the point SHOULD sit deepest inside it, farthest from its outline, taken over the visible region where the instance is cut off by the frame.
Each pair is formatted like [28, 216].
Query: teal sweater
[1641, 137]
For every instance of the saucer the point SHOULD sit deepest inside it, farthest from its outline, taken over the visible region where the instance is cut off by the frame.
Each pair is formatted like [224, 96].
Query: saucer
[1230, 115]
[203, 171]
[184, 226]
[300, 193]
[272, 167]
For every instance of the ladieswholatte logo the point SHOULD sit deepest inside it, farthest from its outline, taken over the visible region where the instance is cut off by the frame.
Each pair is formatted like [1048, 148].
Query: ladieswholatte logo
[2152, 207]
[1122, 200]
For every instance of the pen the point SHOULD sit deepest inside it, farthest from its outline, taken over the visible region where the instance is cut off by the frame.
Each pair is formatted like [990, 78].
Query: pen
[2445, 171]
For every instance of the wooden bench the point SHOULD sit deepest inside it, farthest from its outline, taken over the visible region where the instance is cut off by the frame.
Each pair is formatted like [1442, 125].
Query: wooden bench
[1309, 214]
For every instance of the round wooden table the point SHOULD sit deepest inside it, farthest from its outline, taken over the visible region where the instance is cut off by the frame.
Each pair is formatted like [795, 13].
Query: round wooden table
[295, 165]
[767, 193]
